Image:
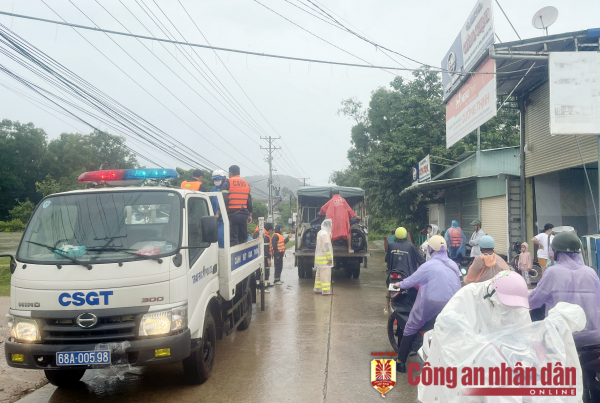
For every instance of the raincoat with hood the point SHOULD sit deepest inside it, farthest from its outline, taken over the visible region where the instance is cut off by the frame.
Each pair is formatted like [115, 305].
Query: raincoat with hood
[324, 259]
[474, 242]
[438, 280]
[339, 211]
[525, 263]
[456, 239]
[473, 332]
[485, 267]
[569, 280]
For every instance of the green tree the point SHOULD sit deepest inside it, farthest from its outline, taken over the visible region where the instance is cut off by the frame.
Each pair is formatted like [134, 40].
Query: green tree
[259, 209]
[22, 211]
[22, 147]
[401, 125]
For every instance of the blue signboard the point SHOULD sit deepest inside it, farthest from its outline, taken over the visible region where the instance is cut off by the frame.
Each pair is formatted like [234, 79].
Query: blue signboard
[238, 259]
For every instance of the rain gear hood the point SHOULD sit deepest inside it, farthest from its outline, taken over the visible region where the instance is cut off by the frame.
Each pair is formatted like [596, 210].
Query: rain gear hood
[525, 261]
[339, 211]
[456, 240]
[438, 280]
[570, 280]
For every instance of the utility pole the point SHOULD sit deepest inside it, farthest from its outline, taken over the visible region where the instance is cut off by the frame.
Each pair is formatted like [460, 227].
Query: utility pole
[304, 181]
[270, 149]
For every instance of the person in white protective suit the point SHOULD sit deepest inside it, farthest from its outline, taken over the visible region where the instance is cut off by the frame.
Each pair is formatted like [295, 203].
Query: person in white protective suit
[487, 324]
[432, 230]
[324, 259]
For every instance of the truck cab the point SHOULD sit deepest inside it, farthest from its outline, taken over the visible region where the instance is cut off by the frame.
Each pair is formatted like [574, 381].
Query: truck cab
[127, 275]
[308, 224]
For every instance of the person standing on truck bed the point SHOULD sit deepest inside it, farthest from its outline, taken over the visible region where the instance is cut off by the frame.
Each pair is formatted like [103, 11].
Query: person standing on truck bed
[278, 242]
[268, 250]
[238, 200]
[195, 183]
[340, 213]
[219, 177]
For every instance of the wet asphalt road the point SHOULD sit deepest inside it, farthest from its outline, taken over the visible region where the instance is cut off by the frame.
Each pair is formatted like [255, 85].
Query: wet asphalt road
[303, 348]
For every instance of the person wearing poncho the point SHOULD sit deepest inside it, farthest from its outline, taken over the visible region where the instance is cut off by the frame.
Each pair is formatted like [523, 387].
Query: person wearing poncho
[438, 280]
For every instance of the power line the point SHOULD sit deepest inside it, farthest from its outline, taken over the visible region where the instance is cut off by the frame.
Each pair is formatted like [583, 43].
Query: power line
[238, 84]
[438, 69]
[201, 46]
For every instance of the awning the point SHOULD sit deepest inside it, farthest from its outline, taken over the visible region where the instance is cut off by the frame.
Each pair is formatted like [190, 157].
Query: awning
[437, 185]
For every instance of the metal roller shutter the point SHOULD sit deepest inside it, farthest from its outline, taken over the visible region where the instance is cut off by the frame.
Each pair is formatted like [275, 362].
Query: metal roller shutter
[546, 153]
[494, 221]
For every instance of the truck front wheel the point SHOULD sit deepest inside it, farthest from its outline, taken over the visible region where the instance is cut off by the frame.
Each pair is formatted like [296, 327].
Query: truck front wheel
[64, 378]
[198, 366]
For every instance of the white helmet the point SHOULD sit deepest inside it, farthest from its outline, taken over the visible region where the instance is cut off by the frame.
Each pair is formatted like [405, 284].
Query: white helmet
[218, 173]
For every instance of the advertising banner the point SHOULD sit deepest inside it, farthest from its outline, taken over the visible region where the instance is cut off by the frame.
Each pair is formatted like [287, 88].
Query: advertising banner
[421, 172]
[476, 35]
[574, 93]
[473, 105]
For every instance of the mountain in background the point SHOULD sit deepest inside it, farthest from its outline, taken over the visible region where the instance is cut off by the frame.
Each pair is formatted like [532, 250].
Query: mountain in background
[259, 184]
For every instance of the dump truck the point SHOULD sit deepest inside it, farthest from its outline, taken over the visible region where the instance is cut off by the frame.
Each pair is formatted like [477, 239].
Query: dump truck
[310, 201]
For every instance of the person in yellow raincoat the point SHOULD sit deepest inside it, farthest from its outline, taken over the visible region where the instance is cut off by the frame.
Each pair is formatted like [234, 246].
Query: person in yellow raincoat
[324, 259]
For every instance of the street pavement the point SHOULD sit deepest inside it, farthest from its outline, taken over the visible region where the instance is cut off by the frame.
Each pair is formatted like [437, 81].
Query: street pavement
[303, 348]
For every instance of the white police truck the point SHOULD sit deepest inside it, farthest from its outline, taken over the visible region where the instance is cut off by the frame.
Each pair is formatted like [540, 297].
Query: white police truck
[121, 274]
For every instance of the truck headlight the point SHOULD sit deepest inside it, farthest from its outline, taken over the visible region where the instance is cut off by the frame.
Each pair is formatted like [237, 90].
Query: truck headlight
[23, 329]
[163, 322]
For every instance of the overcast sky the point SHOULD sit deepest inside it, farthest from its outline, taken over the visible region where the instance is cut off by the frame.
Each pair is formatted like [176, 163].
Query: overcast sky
[298, 99]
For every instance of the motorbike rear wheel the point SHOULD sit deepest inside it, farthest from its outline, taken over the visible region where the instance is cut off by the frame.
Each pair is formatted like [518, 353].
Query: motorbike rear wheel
[392, 328]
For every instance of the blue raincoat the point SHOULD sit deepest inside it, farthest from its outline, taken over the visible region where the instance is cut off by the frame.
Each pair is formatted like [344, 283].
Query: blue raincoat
[456, 250]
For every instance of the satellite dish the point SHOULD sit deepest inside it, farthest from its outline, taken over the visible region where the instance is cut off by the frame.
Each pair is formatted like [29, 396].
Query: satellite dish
[544, 18]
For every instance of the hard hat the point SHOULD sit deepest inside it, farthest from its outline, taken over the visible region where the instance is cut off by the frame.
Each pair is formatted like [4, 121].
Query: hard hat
[217, 173]
[400, 233]
[436, 242]
[566, 242]
[487, 242]
[511, 289]
[476, 222]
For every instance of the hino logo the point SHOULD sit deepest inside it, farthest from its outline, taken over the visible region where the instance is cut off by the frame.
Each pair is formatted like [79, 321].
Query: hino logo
[29, 304]
[86, 320]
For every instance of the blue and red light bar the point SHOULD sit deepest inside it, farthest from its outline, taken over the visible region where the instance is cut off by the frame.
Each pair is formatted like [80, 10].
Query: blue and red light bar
[127, 174]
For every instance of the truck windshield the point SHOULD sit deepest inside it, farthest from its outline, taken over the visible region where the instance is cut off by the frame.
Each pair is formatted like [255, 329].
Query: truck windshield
[102, 227]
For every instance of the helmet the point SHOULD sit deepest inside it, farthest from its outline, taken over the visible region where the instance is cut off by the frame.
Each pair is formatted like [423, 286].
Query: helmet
[476, 222]
[436, 242]
[487, 242]
[401, 233]
[566, 242]
[217, 173]
[511, 289]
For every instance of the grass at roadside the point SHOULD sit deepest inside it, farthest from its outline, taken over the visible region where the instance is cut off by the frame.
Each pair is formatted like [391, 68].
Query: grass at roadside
[4, 276]
[290, 244]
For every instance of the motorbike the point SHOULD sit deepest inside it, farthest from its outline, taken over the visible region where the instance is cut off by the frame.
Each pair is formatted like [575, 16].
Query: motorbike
[535, 274]
[400, 306]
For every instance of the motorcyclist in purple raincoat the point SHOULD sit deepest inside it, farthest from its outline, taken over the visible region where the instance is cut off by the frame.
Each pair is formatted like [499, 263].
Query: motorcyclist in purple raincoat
[438, 280]
[570, 280]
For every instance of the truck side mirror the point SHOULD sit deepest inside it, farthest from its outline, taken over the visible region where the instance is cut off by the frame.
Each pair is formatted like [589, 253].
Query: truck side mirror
[13, 263]
[210, 229]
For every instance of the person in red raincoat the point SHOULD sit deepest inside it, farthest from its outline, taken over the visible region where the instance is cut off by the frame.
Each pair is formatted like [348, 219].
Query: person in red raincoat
[340, 212]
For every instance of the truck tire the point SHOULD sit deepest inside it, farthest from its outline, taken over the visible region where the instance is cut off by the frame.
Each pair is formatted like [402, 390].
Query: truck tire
[246, 308]
[64, 378]
[198, 366]
[356, 272]
[348, 271]
[308, 270]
